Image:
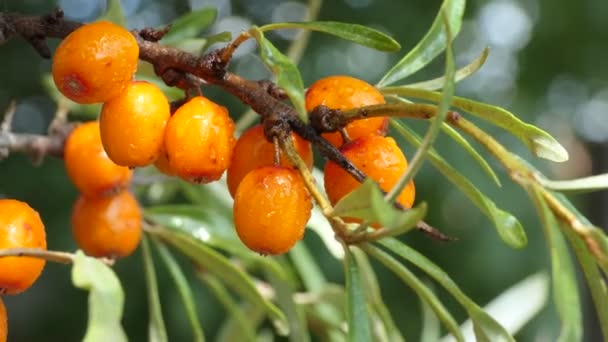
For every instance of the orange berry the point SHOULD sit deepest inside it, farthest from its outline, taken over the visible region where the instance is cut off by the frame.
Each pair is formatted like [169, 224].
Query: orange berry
[132, 124]
[3, 322]
[107, 226]
[95, 62]
[252, 150]
[345, 92]
[88, 165]
[379, 158]
[199, 140]
[162, 163]
[271, 208]
[20, 227]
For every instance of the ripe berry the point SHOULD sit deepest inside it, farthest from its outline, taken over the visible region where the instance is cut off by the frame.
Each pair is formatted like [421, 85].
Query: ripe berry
[20, 226]
[132, 124]
[253, 150]
[271, 208]
[3, 322]
[88, 165]
[162, 163]
[345, 92]
[107, 226]
[95, 62]
[379, 158]
[199, 140]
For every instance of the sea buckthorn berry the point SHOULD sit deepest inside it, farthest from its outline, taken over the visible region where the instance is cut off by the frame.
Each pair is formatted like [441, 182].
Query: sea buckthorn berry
[20, 227]
[345, 92]
[88, 165]
[271, 208]
[107, 226]
[162, 163]
[132, 124]
[95, 62]
[199, 140]
[3, 322]
[253, 150]
[379, 158]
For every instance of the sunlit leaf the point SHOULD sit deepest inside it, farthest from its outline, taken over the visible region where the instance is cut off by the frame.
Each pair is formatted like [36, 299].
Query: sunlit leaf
[114, 13]
[508, 227]
[288, 75]
[565, 287]
[367, 202]
[221, 267]
[541, 143]
[106, 299]
[585, 184]
[433, 43]
[183, 288]
[189, 25]
[461, 74]
[483, 323]
[357, 316]
[156, 324]
[359, 34]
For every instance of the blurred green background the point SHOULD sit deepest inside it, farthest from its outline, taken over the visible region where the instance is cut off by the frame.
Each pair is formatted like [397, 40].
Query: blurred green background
[547, 64]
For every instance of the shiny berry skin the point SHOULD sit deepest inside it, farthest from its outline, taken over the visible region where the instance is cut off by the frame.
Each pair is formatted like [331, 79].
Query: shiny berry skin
[95, 62]
[107, 226]
[88, 165]
[379, 158]
[253, 150]
[199, 139]
[20, 227]
[271, 209]
[345, 92]
[132, 124]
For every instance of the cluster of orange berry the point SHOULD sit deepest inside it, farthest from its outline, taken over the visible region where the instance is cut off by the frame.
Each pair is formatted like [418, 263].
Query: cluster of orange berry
[272, 205]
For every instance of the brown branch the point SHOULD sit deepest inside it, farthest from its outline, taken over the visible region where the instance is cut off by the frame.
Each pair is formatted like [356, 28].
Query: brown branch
[176, 68]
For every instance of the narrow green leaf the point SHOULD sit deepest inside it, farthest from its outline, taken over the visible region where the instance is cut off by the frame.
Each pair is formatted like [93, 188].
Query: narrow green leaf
[114, 13]
[183, 288]
[595, 281]
[565, 287]
[367, 202]
[461, 74]
[221, 37]
[541, 143]
[433, 130]
[579, 185]
[456, 136]
[508, 227]
[483, 323]
[284, 289]
[359, 34]
[202, 223]
[433, 43]
[431, 327]
[193, 45]
[372, 290]
[356, 304]
[288, 75]
[418, 286]
[156, 325]
[243, 321]
[189, 25]
[220, 266]
[106, 298]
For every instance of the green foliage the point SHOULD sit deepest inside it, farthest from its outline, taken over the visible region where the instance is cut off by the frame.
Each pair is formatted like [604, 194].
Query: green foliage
[106, 298]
